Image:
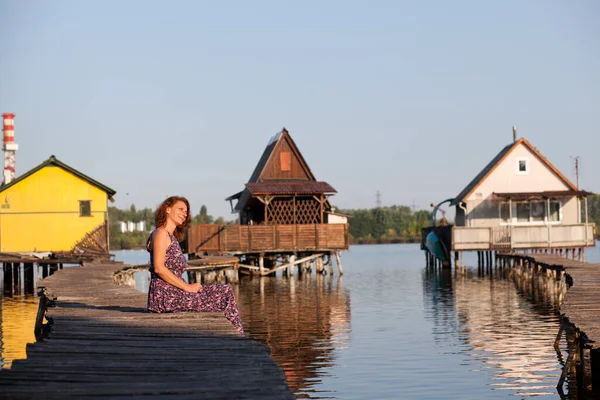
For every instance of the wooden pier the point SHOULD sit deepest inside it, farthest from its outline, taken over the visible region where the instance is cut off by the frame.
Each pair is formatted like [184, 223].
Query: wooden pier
[99, 341]
[580, 309]
[19, 273]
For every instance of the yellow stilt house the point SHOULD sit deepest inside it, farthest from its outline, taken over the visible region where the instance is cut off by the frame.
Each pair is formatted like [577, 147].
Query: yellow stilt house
[54, 208]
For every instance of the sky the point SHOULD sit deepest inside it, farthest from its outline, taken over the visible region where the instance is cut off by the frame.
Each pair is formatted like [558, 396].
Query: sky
[408, 98]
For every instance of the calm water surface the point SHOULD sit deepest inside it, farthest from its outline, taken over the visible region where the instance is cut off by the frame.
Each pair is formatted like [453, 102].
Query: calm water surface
[389, 328]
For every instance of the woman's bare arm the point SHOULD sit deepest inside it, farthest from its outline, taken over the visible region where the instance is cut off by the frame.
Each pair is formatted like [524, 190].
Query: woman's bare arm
[160, 244]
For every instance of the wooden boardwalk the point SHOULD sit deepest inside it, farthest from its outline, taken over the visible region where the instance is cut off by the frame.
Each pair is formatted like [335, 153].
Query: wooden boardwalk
[580, 310]
[581, 305]
[104, 344]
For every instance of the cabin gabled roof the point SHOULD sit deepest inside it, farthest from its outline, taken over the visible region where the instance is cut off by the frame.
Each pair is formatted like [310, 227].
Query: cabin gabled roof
[53, 161]
[497, 160]
[269, 152]
[260, 183]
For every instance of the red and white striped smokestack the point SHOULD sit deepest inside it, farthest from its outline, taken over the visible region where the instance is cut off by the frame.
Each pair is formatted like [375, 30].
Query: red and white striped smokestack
[10, 147]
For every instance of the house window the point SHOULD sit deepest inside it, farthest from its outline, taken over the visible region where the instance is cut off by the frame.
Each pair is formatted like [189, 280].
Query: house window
[285, 160]
[531, 212]
[85, 208]
[554, 214]
[537, 211]
[522, 166]
[505, 212]
[523, 212]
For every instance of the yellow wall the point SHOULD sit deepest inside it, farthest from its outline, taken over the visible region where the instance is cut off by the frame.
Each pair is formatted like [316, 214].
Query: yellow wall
[43, 213]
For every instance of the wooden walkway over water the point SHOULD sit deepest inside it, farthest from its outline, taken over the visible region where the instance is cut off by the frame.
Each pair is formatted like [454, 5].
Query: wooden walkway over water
[103, 344]
[581, 305]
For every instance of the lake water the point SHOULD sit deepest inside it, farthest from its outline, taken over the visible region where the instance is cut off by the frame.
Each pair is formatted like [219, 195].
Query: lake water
[389, 328]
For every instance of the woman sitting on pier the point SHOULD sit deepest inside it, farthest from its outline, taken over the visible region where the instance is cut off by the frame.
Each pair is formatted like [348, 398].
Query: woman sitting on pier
[168, 292]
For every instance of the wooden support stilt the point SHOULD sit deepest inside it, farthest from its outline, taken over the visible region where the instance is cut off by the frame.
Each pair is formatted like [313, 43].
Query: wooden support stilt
[2, 279]
[16, 278]
[595, 369]
[319, 267]
[236, 273]
[290, 268]
[261, 264]
[339, 262]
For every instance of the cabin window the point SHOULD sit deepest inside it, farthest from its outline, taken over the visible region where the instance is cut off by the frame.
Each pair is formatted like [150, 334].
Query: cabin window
[523, 212]
[537, 211]
[522, 166]
[285, 160]
[505, 212]
[85, 208]
[554, 214]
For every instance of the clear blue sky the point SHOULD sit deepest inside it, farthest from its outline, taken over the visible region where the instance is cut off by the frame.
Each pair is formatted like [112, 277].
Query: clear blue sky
[411, 98]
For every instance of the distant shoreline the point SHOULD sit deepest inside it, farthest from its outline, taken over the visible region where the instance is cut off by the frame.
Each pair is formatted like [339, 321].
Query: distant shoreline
[385, 241]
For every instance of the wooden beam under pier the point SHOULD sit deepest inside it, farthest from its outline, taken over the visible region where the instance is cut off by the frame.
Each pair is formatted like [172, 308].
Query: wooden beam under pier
[292, 263]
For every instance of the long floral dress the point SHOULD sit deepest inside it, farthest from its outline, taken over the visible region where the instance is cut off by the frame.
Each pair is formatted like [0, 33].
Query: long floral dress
[163, 297]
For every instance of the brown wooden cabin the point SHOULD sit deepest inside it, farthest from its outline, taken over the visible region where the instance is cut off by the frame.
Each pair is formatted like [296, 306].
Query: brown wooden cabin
[282, 208]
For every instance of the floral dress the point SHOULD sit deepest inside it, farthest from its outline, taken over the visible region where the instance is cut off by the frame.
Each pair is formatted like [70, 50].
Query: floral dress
[163, 297]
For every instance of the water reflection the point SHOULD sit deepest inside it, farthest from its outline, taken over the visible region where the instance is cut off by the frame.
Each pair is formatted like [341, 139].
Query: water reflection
[505, 333]
[17, 315]
[303, 321]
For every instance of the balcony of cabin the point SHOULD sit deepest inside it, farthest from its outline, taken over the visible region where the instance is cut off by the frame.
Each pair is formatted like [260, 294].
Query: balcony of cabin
[281, 238]
[515, 237]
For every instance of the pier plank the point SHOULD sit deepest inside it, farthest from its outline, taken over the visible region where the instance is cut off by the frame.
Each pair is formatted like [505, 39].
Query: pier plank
[104, 343]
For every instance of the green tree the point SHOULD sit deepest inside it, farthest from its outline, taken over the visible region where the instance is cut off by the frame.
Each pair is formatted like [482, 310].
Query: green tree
[202, 217]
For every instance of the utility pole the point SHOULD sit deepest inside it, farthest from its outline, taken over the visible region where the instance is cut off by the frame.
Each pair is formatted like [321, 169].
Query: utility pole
[576, 159]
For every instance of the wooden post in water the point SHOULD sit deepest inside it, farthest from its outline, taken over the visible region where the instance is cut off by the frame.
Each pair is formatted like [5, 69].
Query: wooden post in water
[292, 259]
[261, 264]
[28, 278]
[319, 267]
[595, 369]
[16, 278]
[285, 259]
[339, 262]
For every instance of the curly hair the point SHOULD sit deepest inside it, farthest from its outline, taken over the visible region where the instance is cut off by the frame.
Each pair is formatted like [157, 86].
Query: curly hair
[160, 216]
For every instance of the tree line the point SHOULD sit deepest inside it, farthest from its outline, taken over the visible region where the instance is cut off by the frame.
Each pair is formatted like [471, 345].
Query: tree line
[594, 211]
[390, 224]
